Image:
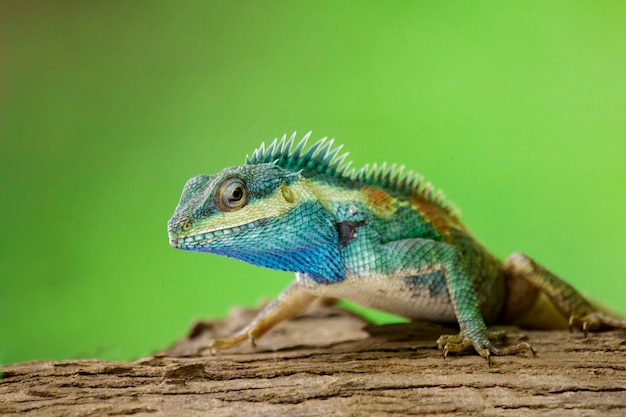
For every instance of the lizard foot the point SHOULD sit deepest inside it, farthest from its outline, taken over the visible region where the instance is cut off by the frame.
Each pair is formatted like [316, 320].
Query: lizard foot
[234, 341]
[482, 344]
[594, 321]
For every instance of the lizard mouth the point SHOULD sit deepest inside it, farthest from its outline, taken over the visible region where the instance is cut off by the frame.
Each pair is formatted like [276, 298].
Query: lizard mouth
[199, 239]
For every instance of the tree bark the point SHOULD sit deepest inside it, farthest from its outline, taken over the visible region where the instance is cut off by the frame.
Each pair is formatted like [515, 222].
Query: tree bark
[331, 362]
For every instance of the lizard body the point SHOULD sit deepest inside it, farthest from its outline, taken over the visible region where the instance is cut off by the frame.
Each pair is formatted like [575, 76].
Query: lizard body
[377, 236]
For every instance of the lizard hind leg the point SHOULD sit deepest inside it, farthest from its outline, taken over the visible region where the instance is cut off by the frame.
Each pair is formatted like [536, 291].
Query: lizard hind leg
[580, 312]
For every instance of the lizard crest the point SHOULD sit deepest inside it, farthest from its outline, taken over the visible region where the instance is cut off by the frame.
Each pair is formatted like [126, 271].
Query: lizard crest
[321, 159]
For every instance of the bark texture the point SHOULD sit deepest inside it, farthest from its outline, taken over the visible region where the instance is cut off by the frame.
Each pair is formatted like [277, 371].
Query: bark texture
[330, 362]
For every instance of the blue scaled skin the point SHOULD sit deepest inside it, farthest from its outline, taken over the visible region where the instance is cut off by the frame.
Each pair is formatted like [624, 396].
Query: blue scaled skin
[378, 237]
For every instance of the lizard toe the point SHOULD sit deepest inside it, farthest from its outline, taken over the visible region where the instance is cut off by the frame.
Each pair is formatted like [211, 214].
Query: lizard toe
[482, 343]
[220, 344]
[595, 321]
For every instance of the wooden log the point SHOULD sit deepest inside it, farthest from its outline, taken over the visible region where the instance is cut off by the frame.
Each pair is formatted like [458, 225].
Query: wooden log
[330, 362]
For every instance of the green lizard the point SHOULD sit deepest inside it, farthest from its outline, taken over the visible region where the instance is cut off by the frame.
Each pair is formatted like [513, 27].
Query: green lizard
[378, 237]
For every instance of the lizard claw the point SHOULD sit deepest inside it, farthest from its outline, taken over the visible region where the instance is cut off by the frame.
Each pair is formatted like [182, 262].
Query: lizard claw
[594, 321]
[486, 354]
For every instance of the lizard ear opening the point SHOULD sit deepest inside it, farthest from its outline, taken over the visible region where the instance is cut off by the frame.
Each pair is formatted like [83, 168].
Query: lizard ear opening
[231, 195]
[288, 194]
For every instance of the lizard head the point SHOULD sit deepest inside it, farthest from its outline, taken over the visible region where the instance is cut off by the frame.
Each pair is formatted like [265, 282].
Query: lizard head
[260, 213]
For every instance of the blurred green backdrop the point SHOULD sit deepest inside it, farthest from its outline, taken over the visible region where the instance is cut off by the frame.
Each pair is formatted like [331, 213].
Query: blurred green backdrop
[515, 109]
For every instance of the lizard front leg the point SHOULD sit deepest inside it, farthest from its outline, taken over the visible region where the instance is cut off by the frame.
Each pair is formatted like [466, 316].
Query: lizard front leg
[565, 298]
[412, 257]
[290, 302]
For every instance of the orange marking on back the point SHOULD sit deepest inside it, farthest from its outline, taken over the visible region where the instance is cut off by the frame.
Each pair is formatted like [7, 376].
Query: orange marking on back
[382, 203]
[440, 220]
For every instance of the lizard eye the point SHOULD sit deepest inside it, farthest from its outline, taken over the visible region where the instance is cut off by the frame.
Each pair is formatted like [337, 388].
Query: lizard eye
[231, 195]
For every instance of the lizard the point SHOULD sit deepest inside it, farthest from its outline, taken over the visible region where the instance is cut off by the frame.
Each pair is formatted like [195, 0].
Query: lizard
[378, 236]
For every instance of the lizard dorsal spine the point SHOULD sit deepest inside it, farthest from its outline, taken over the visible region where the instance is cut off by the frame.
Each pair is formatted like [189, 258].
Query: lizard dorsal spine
[324, 159]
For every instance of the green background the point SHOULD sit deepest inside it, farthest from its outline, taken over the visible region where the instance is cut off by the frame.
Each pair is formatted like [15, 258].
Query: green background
[515, 109]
